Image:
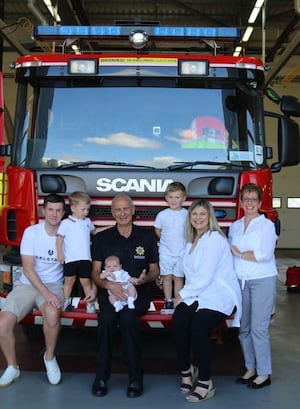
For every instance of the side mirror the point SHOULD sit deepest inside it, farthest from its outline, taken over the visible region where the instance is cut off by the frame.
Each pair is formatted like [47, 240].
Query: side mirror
[290, 106]
[288, 143]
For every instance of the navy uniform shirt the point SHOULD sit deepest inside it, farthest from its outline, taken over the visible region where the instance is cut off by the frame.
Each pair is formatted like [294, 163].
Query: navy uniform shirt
[135, 252]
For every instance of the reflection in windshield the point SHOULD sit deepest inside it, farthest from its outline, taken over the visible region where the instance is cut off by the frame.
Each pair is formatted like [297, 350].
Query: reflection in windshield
[152, 126]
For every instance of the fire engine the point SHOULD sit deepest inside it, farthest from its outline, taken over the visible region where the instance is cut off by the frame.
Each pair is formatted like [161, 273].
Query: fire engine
[151, 107]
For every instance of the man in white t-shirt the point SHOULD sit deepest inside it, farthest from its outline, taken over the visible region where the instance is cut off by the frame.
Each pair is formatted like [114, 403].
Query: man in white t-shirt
[41, 286]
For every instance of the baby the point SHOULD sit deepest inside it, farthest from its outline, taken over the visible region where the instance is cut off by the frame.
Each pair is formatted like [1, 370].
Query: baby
[113, 271]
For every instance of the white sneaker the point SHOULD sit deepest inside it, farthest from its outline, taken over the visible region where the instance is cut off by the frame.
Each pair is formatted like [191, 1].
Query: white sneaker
[53, 371]
[90, 308]
[10, 375]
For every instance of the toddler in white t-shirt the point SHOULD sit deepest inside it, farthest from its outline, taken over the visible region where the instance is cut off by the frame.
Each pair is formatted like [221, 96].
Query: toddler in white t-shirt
[73, 242]
[169, 227]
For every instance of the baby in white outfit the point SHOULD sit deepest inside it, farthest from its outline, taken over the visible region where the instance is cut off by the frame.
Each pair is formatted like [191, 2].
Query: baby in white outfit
[113, 271]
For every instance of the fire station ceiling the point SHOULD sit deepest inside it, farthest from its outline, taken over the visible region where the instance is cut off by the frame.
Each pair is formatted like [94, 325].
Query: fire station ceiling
[275, 39]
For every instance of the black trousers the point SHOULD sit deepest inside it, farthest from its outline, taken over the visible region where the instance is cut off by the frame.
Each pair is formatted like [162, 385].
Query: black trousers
[191, 334]
[129, 324]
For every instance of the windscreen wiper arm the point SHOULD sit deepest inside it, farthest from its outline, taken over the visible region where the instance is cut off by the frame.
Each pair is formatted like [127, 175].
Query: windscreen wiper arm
[105, 163]
[182, 165]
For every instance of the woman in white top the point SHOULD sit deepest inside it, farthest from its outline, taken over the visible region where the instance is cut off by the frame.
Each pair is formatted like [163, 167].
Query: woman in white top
[211, 293]
[253, 239]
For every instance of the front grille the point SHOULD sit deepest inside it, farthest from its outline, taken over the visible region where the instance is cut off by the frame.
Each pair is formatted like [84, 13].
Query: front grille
[150, 213]
[141, 213]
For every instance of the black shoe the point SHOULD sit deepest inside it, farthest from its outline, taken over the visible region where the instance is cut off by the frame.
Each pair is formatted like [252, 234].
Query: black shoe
[99, 388]
[254, 385]
[245, 381]
[169, 305]
[134, 390]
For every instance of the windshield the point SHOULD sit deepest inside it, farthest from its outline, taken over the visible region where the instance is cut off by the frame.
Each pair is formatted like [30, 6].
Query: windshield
[156, 126]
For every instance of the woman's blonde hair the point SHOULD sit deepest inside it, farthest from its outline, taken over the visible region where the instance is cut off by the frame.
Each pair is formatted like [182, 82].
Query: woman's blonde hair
[190, 231]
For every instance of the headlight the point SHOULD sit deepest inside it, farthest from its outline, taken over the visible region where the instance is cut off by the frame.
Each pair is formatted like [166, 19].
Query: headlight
[79, 66]
[193, 67]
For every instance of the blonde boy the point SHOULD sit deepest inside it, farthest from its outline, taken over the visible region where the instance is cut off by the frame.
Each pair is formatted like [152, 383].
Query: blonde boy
[73, 248]
[169, 227]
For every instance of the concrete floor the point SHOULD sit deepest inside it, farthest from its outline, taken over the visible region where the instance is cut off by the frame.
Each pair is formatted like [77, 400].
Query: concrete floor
[161, 390]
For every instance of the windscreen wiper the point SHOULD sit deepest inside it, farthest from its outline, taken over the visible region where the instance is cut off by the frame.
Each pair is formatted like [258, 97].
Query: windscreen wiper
[182, 165]
[86, 164]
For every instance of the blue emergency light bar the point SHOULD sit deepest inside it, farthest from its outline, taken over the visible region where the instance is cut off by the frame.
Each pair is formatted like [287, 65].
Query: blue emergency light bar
[105, 32]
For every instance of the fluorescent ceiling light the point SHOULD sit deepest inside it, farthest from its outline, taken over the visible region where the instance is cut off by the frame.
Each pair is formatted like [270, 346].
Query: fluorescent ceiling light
[259, 3]
[52, 10]
[249, 30]
[237, 51]
[247, 34]
[255, 12]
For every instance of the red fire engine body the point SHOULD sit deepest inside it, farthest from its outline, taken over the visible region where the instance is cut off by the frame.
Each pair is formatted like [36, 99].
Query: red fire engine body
[133, 121]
